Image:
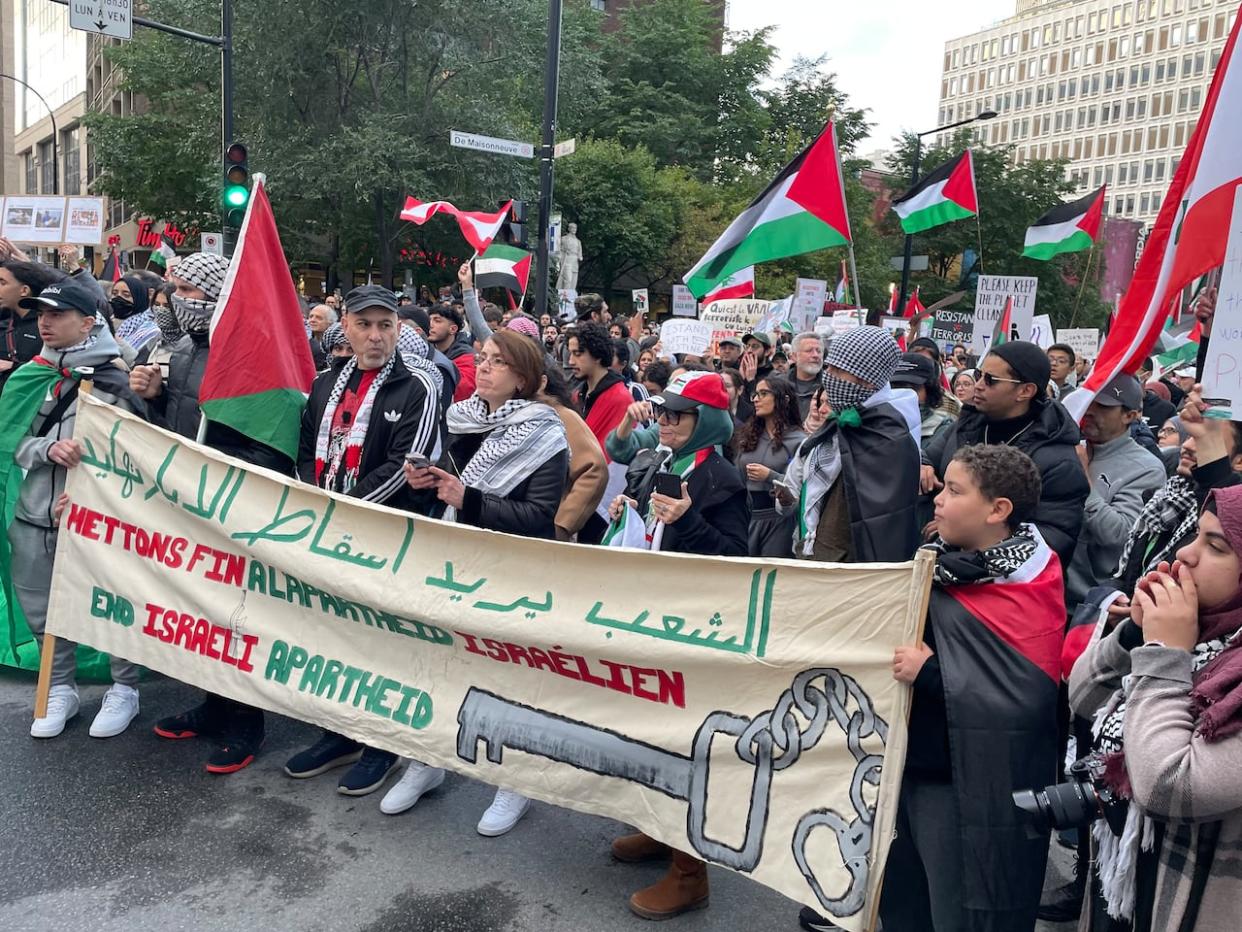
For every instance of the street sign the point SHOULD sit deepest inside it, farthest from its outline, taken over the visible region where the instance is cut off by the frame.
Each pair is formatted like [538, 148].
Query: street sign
[490, 144]
[565, 148]
[112, 18]
[212, 243]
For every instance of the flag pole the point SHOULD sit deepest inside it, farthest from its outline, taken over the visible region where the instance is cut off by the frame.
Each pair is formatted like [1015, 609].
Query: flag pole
[979, 236]
[836, 151]
[1082, 287]
[854, 276]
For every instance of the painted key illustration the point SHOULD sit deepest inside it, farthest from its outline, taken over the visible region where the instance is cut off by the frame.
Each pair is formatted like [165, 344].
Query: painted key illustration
[770, 742]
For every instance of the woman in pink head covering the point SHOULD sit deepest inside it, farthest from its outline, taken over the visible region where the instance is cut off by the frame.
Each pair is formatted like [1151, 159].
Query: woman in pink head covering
[1165, 692]
[524, 326]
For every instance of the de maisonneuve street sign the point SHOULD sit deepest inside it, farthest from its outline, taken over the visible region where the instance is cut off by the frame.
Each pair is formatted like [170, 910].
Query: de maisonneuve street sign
[491, 144]
[112, 18]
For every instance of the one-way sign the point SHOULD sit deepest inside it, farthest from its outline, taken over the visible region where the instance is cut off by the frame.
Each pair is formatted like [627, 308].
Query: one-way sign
[103, 17]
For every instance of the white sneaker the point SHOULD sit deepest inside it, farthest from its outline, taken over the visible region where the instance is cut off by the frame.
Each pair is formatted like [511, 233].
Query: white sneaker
[120, 706]
[417, 780]
[504, 812]
[62, 705]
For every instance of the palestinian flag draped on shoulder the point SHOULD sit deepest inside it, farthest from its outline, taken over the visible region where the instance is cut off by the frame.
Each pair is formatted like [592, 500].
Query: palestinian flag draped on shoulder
[1066, 228]
[260, 369]
[1190, 234]
[503, 266]
[802, 210]
[941, 196]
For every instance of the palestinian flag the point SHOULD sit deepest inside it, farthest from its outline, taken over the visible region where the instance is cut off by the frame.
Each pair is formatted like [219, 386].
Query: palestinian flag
[1004, 325]
[503, 267]
[944, 195]
[1189, 236]
[114, 267]
[260, 369]
[479, 229]
[843, 285]
[1066, 228]
[801, 211]
[741, 284]
[164, 253]
[1178, 344]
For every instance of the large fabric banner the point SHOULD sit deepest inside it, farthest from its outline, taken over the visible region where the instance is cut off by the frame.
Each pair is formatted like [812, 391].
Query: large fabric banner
[738, 710]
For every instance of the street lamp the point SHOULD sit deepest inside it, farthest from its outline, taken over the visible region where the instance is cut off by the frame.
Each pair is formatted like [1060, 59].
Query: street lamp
[55, 132]
[914, 178]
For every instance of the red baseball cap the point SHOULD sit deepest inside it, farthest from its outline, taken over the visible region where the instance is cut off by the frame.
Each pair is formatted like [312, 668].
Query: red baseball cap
[691, 389]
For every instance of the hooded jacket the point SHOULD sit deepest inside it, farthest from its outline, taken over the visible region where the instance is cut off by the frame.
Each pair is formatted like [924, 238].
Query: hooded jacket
[45, 480]
[603, 408]
[19, 339]
[1050, 440]
[461, 352]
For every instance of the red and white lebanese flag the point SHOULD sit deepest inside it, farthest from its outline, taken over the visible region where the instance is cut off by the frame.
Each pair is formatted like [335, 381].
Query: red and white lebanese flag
[1190, 234]
[741, 284]
[479, 229]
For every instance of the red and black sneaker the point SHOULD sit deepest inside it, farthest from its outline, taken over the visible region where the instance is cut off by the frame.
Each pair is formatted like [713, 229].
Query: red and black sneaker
[202, 720]
[233, 755]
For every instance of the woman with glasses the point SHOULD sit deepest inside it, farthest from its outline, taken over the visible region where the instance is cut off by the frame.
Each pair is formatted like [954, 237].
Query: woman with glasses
[508, 463]
[963, 384]
[763, 447]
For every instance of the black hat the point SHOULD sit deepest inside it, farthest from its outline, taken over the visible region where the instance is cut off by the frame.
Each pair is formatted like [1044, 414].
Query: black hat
[927, 342]
[915, 369]
[417, 314]
[1122, 392]
[64, 296]
[1028, 361]
[365, 297]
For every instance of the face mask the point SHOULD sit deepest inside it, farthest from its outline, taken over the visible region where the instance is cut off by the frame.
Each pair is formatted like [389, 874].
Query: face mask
[842, 394]
[121, 308]
[193, 315]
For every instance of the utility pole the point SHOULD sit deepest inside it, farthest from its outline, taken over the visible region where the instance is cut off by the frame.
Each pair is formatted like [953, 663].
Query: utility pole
[551, 88]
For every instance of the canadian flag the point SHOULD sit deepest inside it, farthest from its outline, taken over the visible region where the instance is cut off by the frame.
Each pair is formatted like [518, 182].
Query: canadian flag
[1190, 234]
[479, 229]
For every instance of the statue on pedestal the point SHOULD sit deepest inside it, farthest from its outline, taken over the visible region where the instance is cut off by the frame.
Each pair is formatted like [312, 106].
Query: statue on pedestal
[568, 256]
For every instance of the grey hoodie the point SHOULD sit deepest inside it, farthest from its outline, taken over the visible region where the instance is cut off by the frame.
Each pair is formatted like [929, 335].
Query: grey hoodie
[45, 480]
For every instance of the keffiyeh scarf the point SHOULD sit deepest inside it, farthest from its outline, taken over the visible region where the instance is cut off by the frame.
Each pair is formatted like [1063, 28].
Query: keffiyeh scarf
[955, 567]
[331, 458]
[1172, 513]
[415, 353]
[138, 329]
[521, 436]
[811, 474]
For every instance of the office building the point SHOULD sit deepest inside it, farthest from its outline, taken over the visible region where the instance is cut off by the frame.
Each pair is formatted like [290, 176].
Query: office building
[1114, 88]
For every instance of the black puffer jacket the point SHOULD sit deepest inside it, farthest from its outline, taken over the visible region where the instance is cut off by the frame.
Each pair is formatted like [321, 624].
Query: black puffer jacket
[176, 409]
[1050, 441]
[718, 522]
[19, 339]
[529, 510]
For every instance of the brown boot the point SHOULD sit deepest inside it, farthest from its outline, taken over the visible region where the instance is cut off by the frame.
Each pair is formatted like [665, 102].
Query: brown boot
[636, 848]
[682, 889]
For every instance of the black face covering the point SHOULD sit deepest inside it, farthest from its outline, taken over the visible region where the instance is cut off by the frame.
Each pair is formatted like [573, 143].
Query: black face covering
[121, 308]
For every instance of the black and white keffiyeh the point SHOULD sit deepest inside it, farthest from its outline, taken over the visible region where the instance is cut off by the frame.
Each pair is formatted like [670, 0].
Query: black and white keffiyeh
[1171, 513]
[965, 567]
[416, 354]
[521, 436]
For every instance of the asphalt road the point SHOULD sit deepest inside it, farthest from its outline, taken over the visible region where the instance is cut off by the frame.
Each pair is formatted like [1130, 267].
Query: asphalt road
[132, 834]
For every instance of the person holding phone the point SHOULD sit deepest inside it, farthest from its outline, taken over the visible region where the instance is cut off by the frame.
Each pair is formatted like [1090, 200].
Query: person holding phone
[507, 467]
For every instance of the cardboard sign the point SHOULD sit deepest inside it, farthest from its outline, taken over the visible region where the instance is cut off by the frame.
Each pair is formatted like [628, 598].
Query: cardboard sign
[1222, 369]
[684, 304]
[990, 297]
[34, 219]
[1041, 331]
[949, 328]
[534, 665]
[1084, 341]
[808, 303]
[685, 336]
[84, 221]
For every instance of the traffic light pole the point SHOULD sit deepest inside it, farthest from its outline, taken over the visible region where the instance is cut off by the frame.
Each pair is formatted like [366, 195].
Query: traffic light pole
[551, 87]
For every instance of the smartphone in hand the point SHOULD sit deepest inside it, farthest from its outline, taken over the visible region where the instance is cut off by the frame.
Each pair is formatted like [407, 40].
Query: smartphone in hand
[667, 484]
[418, 460]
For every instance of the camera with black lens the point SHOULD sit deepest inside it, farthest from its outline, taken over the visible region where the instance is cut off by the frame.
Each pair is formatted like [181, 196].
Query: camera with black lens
[1079, 801]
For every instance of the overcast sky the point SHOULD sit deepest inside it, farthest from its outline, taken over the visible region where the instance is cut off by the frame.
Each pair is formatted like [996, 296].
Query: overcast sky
[887, 53]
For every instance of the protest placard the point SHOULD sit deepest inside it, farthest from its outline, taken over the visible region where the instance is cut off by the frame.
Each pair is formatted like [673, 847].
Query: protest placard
[777, 317]
[948, 328]
[34, 219]
[535, 665]
[1084, 341]
[895, 325]
[848, 319]
[84, 221]
[685, 336]
[641, 301]
[990, 297]
[1222, 369]
[808, 302]
[733, 317]
[1041, 331]
[684, 304]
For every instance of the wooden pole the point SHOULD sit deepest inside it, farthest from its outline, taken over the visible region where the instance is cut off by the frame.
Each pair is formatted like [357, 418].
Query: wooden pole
[47, 648]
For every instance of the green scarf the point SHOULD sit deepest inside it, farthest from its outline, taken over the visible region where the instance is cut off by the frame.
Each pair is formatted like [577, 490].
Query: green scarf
[23, 395]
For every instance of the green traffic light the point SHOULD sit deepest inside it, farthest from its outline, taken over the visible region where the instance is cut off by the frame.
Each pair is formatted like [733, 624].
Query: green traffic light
[236, 196]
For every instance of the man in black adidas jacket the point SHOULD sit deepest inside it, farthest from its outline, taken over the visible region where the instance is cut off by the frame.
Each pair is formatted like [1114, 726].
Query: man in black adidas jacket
[360, 423]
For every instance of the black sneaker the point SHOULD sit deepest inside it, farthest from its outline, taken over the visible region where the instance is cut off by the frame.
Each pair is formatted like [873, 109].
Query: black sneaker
[814, 922]
[233, 754]
[202, 720]
[1064, 904]
[369, 774]
[332, 750]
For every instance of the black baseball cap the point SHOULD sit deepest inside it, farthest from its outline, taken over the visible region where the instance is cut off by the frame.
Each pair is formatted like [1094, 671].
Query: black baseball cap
[1122, 392]
[915, 369]
[64, 296]
[365, 297]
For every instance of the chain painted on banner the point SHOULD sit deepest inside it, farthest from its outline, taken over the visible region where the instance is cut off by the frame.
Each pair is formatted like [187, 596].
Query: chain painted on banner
[770, 742]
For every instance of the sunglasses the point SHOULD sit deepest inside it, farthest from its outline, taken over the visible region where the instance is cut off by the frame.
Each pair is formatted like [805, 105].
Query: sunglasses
[991, 381]
[671, 418]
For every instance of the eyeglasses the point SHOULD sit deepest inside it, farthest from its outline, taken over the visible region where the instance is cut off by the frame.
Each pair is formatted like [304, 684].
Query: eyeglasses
[1166, 430]
[671, 418]
[991, 381]
[494, 362]
[762, 393]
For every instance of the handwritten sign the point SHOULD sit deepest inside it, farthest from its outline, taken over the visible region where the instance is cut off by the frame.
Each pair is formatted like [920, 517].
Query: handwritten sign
[948, 328]
[529, 664]
[1084, 341]
[1222, 369]
[1041, 331]
[990, 297]
[808, 302]
[733, 317]
[684, 304]
[685, 336]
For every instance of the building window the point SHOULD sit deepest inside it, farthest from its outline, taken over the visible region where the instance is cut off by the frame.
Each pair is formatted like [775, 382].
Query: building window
[32, 177]
[47, 168]
[598, 5]
[72, 147]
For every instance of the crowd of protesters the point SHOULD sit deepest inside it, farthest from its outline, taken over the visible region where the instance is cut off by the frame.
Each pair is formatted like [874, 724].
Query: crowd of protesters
[1087, 599]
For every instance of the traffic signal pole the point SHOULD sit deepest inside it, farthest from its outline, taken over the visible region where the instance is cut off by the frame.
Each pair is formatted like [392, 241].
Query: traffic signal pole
[551, 87]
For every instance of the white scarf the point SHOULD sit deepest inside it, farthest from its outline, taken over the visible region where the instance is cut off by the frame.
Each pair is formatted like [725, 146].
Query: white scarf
[328, 461]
